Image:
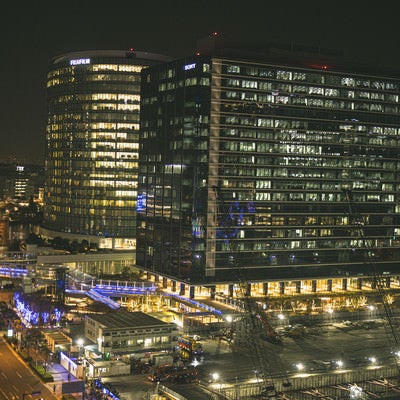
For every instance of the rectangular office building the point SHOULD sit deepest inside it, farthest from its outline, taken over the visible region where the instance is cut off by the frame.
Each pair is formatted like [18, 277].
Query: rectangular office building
[268, 165]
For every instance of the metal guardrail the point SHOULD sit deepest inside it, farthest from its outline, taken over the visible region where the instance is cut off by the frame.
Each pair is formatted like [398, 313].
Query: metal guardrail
[170, 393]
[314, 381]
[11, 272]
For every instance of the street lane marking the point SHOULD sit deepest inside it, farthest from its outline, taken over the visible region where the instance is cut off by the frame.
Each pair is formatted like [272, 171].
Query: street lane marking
[19, 375]
[3, 394]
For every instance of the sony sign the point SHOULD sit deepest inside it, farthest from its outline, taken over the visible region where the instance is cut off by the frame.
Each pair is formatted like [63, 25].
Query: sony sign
[189, 66]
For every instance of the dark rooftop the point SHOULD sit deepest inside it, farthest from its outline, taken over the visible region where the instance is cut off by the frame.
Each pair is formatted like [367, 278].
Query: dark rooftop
[296, 55]
[125, 319]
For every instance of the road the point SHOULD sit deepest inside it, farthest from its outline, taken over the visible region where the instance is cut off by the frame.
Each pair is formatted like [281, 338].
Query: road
[17, 381]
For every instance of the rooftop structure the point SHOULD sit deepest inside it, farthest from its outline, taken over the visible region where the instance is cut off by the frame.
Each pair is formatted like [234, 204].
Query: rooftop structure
[124, 319]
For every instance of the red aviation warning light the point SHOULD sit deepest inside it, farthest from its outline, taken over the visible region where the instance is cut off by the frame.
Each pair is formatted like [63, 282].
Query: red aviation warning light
[320, 66]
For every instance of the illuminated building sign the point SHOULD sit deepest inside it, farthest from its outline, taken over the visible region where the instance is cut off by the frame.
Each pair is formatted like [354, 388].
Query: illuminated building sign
[189, 66]
[79, 61]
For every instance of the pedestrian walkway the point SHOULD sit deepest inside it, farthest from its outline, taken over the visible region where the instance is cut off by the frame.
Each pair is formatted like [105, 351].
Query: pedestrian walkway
[60, 375]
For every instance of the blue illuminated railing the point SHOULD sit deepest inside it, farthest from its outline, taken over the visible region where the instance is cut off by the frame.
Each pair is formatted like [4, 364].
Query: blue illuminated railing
[114, 289]
[104, 292]
[76, 291]
[106, 390]
[13, 272]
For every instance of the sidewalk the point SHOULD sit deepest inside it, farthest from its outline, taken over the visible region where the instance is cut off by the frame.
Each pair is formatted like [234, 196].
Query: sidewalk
[60, 375]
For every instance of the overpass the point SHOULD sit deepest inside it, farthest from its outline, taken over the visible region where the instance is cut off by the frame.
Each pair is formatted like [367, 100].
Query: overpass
[101, 290]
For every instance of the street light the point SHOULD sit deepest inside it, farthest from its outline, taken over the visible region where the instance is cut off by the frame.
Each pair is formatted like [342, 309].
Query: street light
[371, 309]
[300, 366]
[215, 383]
[339, 363]
[80, 343]
[195, 362]
[356, 392]
[281, 318]
[215, 376]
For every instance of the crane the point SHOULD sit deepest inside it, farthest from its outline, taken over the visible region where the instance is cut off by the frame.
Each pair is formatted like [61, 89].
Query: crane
[358, 223]
[254, 321]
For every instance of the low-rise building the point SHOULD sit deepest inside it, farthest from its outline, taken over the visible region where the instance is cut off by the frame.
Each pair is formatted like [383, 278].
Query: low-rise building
[102, 368]
[74, 364]
[126, 332]
[57, 340]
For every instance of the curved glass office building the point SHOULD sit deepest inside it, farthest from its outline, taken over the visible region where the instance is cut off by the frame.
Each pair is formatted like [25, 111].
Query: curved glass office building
[93, 100]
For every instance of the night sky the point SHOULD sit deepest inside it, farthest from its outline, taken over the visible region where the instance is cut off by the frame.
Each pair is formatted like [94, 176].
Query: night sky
[35, 31]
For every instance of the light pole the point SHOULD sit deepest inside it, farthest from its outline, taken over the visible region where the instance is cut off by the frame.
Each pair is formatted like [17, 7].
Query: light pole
[81, 358]
[300, 366]
[80, 343]
[236, 388]
[330, 313]
[215, 378]
[371, 309]
[281, 318]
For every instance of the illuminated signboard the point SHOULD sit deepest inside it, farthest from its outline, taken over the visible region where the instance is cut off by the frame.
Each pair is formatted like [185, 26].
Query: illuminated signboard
[79, 61]
[189, 66]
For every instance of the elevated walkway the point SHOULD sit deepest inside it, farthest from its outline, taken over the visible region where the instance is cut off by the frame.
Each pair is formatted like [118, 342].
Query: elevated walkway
[93, 294]
[11, 272]
[104, 290]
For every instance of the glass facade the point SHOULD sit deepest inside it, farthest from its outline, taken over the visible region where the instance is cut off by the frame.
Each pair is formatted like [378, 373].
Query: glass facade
[269, 169]
[93, 100]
